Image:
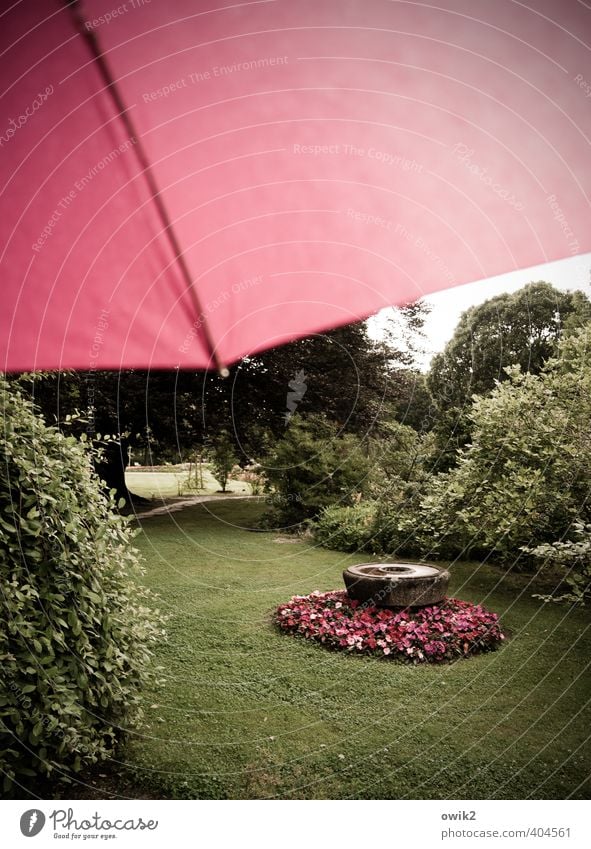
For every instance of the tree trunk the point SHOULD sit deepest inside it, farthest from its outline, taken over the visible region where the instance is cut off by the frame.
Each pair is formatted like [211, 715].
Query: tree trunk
[111, 469]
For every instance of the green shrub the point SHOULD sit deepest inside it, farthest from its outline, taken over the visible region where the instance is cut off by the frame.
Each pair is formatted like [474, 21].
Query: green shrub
[385, 523]
[254, 477]
[378, 527]
[77, 631]
[396, 531]
[223, 458]
[347, 528]
[525, 477]
[574, 558]
[314, 466]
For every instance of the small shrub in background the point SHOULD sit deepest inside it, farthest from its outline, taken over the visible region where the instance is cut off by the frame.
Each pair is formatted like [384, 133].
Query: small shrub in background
[76, 627]
[386, 522]
[314, 466]
[574, 559]
[347, 528]
[253, 475]
[223, 457]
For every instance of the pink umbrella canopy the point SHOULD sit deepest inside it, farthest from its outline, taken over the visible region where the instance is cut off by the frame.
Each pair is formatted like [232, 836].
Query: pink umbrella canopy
[279, 168]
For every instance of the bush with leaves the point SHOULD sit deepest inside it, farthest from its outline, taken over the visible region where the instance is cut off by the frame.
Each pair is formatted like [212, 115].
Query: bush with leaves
[574, 559]
[347, 528]
[314, 466]
[402, 472]
[526, 476]
[398, 455]
[386, 522]
[77, 627]
[223, 457]
[254, 477]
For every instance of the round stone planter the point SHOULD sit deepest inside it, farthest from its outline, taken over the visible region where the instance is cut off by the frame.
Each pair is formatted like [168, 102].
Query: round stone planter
[396, 584]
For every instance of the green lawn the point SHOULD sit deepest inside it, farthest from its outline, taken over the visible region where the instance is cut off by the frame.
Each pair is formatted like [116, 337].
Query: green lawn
[246, 712]
[173, 483]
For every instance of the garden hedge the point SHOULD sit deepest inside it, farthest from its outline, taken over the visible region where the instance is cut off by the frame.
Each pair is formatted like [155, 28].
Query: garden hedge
[76, 627]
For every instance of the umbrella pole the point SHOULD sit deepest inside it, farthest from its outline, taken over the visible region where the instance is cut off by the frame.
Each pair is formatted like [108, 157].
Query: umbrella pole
[92, 41]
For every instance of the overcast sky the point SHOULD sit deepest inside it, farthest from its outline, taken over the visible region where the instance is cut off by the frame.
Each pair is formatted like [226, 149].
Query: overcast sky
[447, 305]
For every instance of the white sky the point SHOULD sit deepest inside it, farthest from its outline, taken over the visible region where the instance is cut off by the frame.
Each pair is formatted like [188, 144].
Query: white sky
[447, 305]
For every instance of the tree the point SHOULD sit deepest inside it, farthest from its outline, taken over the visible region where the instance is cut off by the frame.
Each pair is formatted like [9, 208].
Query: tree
[314, 465]
[152, 413]
[525, 479]
[522, 329]
[399, 456]
[223, 457]
[343, 374]
[412, 404]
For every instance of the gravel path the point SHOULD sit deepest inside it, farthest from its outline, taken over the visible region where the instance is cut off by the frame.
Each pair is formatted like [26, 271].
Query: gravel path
[175, 506]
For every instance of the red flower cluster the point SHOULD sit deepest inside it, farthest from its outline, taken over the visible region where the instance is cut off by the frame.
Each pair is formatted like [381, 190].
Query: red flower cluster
[436, 633]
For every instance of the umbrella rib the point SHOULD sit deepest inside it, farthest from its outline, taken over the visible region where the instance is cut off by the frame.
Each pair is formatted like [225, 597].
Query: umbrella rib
[92, 41]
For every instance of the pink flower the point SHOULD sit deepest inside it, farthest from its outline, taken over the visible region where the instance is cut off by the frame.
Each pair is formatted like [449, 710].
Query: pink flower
[436, 633]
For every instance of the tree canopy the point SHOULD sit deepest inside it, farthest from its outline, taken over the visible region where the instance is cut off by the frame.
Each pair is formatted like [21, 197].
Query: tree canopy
[343, 374]
[521, 328]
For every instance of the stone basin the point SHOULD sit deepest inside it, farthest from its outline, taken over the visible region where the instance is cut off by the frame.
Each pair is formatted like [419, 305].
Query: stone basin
[396, 584]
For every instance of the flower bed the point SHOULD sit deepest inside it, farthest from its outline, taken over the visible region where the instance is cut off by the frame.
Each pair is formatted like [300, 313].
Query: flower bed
[433, 634]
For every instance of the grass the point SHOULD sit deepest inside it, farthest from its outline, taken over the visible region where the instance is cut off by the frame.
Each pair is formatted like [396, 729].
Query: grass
[173, 483]
[246, 712]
